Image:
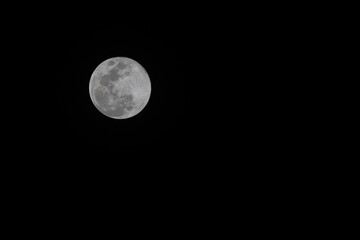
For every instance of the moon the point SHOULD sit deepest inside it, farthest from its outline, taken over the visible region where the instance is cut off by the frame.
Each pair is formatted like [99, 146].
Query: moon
[120, 88]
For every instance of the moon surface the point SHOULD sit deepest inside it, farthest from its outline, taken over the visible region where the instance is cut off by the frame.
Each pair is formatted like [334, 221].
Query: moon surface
[120, 88]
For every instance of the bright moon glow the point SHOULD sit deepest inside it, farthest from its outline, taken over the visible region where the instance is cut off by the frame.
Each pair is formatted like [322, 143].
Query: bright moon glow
[120, 88]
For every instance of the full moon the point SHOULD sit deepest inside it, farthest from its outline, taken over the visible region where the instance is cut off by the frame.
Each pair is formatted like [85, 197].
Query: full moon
[120, 88]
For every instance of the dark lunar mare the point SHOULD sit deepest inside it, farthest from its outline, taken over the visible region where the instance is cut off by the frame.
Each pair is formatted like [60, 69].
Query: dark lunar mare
[121, 65]
[112, 76]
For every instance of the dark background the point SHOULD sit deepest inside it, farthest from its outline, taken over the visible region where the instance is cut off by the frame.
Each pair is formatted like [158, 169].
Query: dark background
[198, 104]
[58, 119]
[224, 130]
[220, 88]
[209, 88]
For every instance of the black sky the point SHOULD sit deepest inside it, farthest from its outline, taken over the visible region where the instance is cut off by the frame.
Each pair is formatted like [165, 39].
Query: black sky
[63, 118]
